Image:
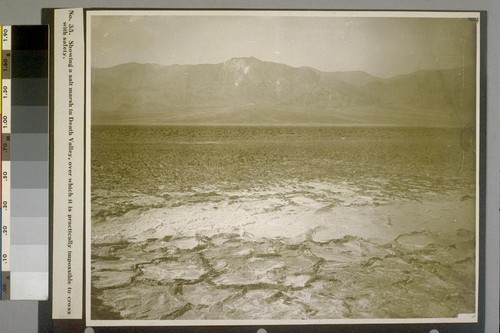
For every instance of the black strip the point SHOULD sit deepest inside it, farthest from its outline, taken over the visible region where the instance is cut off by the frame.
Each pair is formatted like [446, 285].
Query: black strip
[29, 92]
[482, 175]
[30, 37]
[45, 308]
[30, 51]
[30, 64]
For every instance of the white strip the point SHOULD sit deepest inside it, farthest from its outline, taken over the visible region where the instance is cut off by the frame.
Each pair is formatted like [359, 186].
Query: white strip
[6, 128]
[30, 258]
[465, 318]
[6, 106]
[6, 40]
[6, 216]
[68, 164]
[286, 13]
[88, 213]
[29, 285]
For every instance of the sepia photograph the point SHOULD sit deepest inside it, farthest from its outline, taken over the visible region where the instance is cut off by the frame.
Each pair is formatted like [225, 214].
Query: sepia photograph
[280, 167]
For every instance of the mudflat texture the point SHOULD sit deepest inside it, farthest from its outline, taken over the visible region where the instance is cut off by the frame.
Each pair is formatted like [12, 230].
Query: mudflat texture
[281, 223]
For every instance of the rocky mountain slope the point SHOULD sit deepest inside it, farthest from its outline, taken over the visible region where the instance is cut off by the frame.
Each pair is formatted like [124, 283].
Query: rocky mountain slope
[248, 91]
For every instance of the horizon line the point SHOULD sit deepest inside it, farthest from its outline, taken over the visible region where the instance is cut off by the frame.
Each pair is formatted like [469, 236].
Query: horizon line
[280, 63]
[347, 125]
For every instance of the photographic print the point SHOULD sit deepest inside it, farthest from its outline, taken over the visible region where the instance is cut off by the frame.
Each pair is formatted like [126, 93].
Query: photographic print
[282, 167]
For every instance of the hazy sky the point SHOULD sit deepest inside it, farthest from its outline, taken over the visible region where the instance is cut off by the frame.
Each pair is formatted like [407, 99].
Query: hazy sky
[379, 46]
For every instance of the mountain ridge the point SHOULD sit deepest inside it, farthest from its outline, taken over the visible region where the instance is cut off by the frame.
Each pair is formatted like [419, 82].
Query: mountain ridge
[249, 91]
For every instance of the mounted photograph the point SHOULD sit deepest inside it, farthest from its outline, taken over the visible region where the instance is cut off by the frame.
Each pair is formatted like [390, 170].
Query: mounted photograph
[281, 167]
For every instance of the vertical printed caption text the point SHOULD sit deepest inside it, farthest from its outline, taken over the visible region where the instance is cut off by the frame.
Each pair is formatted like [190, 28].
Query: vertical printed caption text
[67, 55]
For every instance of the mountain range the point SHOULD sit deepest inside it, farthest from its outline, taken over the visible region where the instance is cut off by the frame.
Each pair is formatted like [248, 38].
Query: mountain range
[248, 91]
